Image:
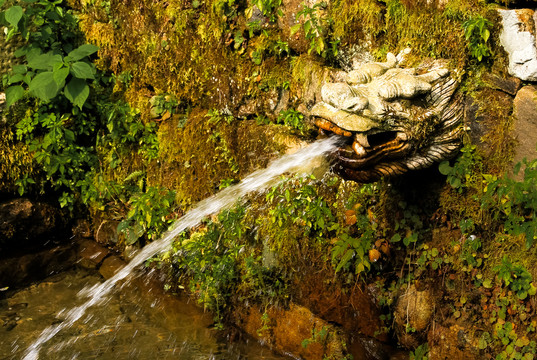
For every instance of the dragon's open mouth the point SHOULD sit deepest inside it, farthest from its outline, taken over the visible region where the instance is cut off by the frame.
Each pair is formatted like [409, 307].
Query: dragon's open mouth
[392, 119]
[361, 152]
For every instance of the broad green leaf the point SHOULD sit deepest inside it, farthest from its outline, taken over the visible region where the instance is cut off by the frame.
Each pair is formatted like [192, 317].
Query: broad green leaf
[43, 86]
[345, 259]
[15, 78]
[44, 61]
[13, 15]
[83, 70]
[69, 136]
[77, 92]
[13, 94]
[444, 168]
[19, 69]
[60, 75]
[81, 52]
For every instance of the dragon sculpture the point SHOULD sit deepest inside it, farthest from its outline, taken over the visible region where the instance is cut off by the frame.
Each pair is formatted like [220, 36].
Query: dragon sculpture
[393, 119]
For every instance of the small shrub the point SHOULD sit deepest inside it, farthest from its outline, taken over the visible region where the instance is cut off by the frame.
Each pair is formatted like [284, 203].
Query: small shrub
[316, 31]
[516, 277]
[461, 173]
[477, 33]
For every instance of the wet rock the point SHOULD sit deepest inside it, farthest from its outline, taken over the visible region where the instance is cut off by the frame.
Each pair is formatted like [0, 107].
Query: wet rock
[82, 229]
[413, 314]
[26, 225]
[454, 342]
[111, 265]
[525, 126]
[106, 233]
[296, 331]
[509, 85]
[518, 39]
[91, 254]
[17, 271]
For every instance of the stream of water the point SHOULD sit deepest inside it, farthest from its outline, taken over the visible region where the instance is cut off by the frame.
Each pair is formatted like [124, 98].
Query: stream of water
[257, 181]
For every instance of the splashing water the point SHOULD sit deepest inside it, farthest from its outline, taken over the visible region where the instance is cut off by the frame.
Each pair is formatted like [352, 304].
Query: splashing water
[257, 181]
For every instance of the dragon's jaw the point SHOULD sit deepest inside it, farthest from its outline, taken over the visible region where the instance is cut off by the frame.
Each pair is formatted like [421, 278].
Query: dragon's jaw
[365, 157]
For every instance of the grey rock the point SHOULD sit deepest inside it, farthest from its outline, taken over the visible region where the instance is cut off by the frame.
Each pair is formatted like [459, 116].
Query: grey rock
[518, 39]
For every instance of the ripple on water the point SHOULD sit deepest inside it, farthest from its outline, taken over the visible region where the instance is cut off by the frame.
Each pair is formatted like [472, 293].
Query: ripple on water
[126, 328]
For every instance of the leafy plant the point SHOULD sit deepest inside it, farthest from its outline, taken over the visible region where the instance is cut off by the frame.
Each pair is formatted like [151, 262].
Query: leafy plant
[300, 205]
[460, 174]
[293, 119]
[163, 105]
[514, 347]
[269, 8]
[477, 33]
[514, 202]
[50, 65]
[351, 254]
[149, 214]
[209, 257]
[420, 353]
[516, 277]
[316, 30]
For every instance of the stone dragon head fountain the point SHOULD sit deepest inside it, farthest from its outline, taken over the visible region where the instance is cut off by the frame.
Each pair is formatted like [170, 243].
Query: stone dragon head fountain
[393, 119]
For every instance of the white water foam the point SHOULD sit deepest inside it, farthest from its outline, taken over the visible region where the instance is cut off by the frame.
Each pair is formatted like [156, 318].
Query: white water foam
[257, 181]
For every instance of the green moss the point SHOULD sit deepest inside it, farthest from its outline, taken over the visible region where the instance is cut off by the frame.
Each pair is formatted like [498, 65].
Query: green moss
[195, 158]
[15, 156]
[393, 25]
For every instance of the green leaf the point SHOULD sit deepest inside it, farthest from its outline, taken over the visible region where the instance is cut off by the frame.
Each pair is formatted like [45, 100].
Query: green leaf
[19, 69]
[444, 168]
[13, 15]
[13, 94]
[345, 259]
[60, 75]
[77, 92]
[395, 238]
[81, 52]
[44, 61]
[15, 78]
[83, 70]
[485, 34]
[43, 86]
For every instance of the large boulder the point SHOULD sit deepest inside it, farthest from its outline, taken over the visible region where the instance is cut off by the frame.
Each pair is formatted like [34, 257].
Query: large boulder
[525, 127]
[518, 39]
[27, 225]
[413, 314]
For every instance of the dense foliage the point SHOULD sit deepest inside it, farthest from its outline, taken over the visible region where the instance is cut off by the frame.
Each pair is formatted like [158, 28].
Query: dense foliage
[135, 117]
